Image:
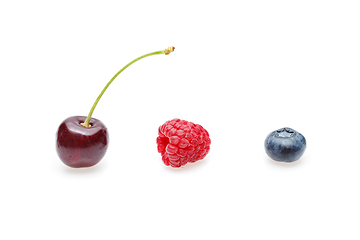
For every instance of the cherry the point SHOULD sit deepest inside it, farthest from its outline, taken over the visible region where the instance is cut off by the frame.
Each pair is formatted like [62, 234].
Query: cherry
[78, 146]
[82, 141]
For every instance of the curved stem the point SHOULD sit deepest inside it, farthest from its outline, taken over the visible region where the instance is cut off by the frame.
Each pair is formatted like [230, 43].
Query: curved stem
[166, 52]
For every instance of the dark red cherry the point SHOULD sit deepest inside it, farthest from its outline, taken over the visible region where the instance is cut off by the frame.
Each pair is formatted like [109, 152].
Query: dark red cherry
[78, 146]
[83, 141]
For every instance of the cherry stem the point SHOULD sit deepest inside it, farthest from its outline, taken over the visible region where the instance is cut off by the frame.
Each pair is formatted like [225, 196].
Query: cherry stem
[166, 52]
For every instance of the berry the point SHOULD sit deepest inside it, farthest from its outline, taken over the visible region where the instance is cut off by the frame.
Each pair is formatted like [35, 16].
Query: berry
[285, 145]
[180, 142]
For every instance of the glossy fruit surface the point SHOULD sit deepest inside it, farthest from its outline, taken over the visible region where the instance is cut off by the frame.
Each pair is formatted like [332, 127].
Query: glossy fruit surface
[285, 145]
[180, 142]
[78, 146]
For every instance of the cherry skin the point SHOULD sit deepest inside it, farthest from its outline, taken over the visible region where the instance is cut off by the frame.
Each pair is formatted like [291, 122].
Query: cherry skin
[78, 146]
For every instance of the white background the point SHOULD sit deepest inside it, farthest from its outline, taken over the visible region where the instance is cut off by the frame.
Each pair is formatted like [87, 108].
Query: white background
[241, 69]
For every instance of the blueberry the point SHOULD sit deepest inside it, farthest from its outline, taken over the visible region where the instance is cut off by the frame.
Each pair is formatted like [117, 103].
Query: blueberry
[285, 145]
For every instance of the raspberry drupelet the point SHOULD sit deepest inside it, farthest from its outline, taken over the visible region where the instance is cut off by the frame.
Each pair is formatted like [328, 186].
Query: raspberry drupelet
[180, 142]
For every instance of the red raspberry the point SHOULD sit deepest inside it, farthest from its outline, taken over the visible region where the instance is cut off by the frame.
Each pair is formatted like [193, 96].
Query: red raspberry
[180, 142]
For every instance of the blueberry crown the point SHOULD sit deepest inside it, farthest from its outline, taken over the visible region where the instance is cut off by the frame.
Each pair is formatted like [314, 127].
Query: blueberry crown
[285, 133]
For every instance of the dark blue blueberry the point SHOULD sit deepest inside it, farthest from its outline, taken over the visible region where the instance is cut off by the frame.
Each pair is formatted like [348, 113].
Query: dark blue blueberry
[285, 145]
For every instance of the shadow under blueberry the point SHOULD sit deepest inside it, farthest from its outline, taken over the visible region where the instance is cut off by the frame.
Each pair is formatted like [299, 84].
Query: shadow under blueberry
[296, 163]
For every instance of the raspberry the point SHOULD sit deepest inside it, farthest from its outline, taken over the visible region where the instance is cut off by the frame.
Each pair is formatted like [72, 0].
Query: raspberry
[180, 142]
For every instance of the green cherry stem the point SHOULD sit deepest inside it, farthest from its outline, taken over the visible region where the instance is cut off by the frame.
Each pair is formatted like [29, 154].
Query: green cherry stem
[166, 52]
